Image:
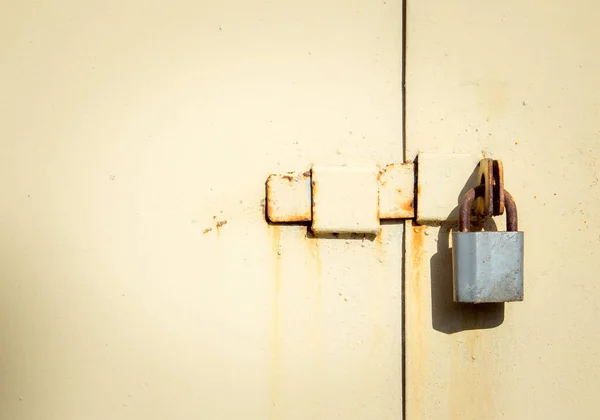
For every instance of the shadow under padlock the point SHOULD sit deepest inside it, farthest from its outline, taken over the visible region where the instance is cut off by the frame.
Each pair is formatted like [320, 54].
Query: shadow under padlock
[448, 316]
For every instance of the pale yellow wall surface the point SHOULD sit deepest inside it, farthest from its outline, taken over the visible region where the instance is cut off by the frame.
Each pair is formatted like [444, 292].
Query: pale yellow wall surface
[127, 130]
[519, 81]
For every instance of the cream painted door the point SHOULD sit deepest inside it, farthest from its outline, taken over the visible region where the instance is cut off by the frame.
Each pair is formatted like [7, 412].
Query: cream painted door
[138, 277]
[518, 80]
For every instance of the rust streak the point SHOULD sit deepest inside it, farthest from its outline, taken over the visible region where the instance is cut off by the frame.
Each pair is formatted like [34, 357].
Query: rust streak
[416, 355]
[417, 251]
[275, 371]
[313, 244]
[380, 246]
[316, 293]
[205, 231]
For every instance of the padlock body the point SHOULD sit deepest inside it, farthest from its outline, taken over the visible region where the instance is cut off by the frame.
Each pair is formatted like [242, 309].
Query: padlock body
[487, 266]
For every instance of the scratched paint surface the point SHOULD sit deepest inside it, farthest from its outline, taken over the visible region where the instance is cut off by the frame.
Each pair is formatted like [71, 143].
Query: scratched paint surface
[138, 276]
[518, 81]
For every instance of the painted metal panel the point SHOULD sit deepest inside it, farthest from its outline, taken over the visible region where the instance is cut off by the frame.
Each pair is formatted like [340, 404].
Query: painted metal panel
[138, 276]
[518, 81]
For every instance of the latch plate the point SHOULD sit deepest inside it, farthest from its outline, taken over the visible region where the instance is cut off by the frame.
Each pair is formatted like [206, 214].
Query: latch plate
[289, 197]
[345, 199]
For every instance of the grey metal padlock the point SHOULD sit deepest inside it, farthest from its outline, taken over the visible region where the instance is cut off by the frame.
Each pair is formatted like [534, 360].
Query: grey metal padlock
[487, 266]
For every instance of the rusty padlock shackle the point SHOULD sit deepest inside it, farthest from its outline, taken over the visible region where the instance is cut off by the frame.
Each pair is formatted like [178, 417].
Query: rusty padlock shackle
[464, 210]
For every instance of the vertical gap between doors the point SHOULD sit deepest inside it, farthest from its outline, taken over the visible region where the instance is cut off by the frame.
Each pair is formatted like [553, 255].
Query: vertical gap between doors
[403, 277]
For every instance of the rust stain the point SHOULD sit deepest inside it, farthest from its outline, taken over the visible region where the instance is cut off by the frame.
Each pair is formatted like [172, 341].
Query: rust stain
[379, 239]
[205, 231]
[313, 244]
[417, 252]
[219, 224]
[385, 169]
[276, 244]
[276, 339]
[407, 207]
[380, 246]
[317, 319]
[418, 245]
[305, 217]
[416, 357]
[382, 173]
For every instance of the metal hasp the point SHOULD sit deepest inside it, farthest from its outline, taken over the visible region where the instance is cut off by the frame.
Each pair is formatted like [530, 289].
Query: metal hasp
[487, 266]
[342, 199]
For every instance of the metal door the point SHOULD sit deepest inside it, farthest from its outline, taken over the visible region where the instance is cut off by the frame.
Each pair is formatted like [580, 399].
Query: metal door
[139, 278]
[518, 80]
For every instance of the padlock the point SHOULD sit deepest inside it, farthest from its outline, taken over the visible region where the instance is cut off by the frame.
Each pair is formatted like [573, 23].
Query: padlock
[487, 266]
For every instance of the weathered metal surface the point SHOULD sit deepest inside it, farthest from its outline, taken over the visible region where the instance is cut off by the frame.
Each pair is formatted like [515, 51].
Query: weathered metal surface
[289, 197]
[345, 199]
[441, 181]
[397, 191]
